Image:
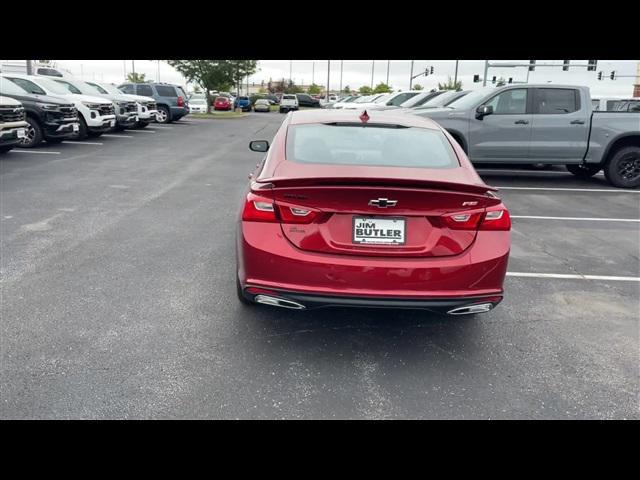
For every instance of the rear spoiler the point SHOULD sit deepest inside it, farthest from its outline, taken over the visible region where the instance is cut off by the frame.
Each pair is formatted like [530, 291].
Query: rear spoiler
[278, 182]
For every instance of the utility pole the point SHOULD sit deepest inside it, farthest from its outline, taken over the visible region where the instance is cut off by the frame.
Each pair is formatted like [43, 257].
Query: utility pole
[455, 77]
[81, 72]
[124, 66]
[313, 72]
[388, 65]
[341, 61]
[373, 66]
[411, 76]
[29, 67]
[290, 68]
[158, 71]
[486, 71]
[328, 79]
[133, 69]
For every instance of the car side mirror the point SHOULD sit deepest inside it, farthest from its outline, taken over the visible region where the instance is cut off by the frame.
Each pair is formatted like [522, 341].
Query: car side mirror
[259, 145]
[483, 110]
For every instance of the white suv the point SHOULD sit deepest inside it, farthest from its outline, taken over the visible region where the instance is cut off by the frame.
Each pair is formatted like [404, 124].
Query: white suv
[96, 115]
[289, 102]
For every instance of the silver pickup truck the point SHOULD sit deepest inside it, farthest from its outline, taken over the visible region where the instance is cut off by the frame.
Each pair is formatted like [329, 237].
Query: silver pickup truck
[551, 124]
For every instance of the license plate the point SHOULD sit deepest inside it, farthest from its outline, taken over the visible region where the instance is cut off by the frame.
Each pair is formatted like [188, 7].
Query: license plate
[113, 123]
[379, 231]
[21, 133]
[76, 128]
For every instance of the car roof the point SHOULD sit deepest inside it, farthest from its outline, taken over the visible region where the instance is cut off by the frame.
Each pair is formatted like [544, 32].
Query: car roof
[353, 116]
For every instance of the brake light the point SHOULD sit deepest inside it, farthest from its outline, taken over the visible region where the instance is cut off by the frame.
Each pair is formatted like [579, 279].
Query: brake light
[496, 218]
[290, 214]
[463, 220]
[180, 102]
[259, 209]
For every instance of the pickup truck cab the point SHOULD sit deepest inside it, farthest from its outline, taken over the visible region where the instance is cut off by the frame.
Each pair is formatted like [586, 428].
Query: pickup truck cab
[95, 114]
[12, 123]
[49, 118]
[550, 124]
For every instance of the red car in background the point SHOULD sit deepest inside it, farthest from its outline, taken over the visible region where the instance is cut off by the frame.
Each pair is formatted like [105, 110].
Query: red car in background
[222, 103]
[370, 210]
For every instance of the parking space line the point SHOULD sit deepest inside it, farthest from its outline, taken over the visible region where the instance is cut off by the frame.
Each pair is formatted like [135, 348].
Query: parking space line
[141, 131]
[536, 217]
[45, 152]
[83, 143]
[573, 276]
[162, 126]
[610, 190]
[117, 136]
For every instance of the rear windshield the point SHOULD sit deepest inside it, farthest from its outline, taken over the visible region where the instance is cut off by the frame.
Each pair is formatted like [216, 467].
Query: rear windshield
[221, 99]
[289, 97]
[370, 145]
[165, 91]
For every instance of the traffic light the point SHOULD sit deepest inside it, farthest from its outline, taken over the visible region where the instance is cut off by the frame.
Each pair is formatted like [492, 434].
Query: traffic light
[591, 67]
[613, 75]
[532, 65]
[493, 80]
[431, 71]
[599, 75]
[476, 78]
[565, 65]
[510, 79]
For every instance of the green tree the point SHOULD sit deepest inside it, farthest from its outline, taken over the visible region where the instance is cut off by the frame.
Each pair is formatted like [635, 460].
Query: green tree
[262, 90]
[382, 88]
[135, 77]
[418, 87]
[365, 90]
[313, 89]
[240, 69]
[346, 89]
[450, 85]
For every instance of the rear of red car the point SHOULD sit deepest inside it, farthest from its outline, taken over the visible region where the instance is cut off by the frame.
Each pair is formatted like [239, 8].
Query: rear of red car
[222, 103]
[379, 211]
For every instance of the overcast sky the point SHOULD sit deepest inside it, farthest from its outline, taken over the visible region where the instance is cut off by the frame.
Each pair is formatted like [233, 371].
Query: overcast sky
[358, 73]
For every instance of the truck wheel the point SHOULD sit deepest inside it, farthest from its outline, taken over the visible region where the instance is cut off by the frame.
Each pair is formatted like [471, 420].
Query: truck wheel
[34, 134]
[583, 171]
[82, 129]
[623, 168]
[163, 115]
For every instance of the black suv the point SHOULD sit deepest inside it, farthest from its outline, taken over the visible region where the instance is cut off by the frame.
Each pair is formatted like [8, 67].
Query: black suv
[305, 100]
[50, 118]
[170, 99]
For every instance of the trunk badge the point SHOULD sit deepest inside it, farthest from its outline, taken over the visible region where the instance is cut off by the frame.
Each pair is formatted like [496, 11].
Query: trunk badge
[382, 203]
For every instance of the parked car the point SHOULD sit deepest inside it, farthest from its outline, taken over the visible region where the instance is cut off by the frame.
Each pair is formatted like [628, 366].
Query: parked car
[439, 101]
[262, 105]
[288, 102]
[421, 99]
[147, 109]
[38, 69]
[198, 103]
[363, 102]
[610, 104]
[244, 103]
[343, 101]
[393, 100]
[49, 118]
[550, 124]
[126, 109]
[632, 105]
[222, 103]
[95, 114]
[273, 100]
[13, 126]
[383, 210]
[305, 100]
[170, 99]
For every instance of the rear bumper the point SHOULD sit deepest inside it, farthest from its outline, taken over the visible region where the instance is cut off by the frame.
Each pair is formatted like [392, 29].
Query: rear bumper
[266, 259]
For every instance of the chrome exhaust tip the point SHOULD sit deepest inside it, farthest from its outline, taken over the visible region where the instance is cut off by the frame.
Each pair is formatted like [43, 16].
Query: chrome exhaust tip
[469, 309]
[278, 302]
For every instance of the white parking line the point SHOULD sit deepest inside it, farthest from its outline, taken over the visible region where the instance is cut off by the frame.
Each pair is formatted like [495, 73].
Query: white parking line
[83, 143]
[162, 127]
[573, 276]
[141, 131]
[610, 190]
[117, 136]
[578, 218]
[45, 152]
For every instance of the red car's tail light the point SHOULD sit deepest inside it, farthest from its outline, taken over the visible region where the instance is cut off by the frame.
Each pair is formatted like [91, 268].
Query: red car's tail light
[496, 218]
[296, 214]
[180, 102]
[259, 209]
[463, 220]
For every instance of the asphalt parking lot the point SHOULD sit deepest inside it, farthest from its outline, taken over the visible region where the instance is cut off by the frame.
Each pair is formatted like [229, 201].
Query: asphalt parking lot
[118, 298]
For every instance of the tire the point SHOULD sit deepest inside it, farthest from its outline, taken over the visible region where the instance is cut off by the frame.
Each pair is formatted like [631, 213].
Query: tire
[94, 134]
[34, 134]
[163, 115]
[282, 110]
[623, 168]
[244, 300]
[83, 131]
[581, 171]
[5, 148]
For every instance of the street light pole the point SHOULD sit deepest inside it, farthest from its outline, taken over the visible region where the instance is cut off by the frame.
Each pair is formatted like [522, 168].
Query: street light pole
[313, 72]
[29, 67]
[341, 61]
[486, 72]
[388, 65]
[290, 68]
[455, 77]
[373, 66]
[328, 79]
[411, 76]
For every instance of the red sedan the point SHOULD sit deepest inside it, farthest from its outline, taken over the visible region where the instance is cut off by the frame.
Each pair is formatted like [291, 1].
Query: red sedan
[222, 103]
[370, 210]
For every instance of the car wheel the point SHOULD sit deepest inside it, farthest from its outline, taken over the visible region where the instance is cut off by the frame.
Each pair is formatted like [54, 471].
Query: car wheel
[163, 115]
[94, 134]
[244, 300]
[581, 171]
[33, 136]
[5, 148]
[623, 168]
[82, 129]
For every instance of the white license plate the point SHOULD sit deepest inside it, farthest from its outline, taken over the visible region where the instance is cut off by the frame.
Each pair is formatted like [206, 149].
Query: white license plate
[76, 128]
[21, 133]
[113, 123]
[379, 231]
